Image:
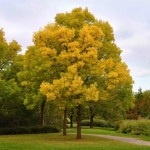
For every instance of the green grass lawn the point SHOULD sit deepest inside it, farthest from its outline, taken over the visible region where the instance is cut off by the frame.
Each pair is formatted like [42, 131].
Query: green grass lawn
[108, 131]
[59, 142]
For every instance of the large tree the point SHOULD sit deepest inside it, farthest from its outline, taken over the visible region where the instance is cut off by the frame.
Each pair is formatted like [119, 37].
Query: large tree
[74, 61]
[87, 61]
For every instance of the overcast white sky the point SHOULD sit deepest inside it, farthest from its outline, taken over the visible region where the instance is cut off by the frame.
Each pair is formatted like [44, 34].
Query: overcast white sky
[130, 20]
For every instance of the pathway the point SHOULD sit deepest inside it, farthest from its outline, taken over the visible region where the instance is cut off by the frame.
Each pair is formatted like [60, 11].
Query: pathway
[122, 139]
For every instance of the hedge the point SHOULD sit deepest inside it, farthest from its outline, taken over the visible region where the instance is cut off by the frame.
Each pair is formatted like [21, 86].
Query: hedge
[97, 123]
[137, 127]
[29, 130]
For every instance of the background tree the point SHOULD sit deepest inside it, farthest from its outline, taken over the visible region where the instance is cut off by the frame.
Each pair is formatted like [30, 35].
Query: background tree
[8, 51]
[141, 108]
[35, 70]
[146, 106]
[12, 110]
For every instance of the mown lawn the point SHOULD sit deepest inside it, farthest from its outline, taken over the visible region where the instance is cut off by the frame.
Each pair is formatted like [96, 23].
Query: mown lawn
[59, 142]
[108, 131]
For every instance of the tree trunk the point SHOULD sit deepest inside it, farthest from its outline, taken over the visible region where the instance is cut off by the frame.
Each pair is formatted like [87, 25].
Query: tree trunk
[91, 117]
[65, 122]
[71, 119]
[42, 112]
[78, 122]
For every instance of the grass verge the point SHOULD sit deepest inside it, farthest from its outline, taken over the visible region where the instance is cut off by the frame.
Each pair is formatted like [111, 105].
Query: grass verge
[59, 142]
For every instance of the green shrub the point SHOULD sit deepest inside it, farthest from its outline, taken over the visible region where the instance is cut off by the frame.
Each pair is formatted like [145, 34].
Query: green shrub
[96, 123]
[141, 126]
[29, 130]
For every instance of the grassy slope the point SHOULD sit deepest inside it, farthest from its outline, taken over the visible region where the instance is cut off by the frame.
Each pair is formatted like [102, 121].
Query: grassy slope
[59, 142]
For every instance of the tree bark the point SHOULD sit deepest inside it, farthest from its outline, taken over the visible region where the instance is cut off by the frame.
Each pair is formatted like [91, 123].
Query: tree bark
[65, 122]
[78, 122]
[91, 117]
[71, 119]
[42, 112]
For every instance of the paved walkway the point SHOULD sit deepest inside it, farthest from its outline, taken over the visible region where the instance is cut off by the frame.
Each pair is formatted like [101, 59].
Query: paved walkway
[122, 139]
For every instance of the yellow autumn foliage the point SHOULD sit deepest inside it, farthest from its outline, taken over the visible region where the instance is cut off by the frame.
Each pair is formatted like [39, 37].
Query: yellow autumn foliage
[47, 52]
[80, 71]
[92, 93]
[90, 36]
